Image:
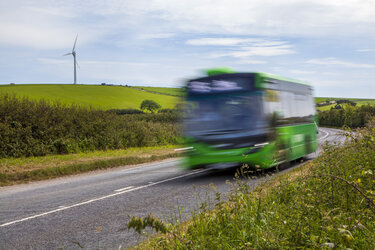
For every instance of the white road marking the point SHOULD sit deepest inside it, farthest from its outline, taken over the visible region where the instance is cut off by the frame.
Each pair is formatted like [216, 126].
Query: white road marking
[150, 166]
[61, 208]
[327, 134]
[183, 149]
[123, 189]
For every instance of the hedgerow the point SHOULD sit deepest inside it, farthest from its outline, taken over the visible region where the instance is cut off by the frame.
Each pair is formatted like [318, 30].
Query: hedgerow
[36, 128]
[348, 116]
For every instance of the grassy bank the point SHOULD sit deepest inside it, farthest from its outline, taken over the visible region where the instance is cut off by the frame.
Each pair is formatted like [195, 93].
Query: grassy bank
[21, 170]
[328, 203]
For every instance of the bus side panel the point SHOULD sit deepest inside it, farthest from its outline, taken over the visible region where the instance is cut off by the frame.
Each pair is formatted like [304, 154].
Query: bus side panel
[203, 154]
[299, 140]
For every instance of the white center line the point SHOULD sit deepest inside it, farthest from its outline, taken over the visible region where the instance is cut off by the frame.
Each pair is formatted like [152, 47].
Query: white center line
[61, 208]
[327, 134]
[123, 189]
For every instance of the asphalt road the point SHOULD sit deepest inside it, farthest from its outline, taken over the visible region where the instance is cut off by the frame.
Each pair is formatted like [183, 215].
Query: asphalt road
[91, 210]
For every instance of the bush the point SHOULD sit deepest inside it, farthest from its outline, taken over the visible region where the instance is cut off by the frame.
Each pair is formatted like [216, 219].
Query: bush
[150, 105]
[36, 128]
[125, 111]
[348, 116]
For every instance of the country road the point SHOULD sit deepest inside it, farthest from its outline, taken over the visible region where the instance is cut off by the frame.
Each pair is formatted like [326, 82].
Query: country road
[67, 212]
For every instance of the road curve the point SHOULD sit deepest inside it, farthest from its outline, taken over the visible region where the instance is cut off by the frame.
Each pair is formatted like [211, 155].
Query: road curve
[91, 210]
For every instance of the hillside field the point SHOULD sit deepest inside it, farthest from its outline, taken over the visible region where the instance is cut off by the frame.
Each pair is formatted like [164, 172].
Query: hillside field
[118, 97]
[164, 90]
[96, 96]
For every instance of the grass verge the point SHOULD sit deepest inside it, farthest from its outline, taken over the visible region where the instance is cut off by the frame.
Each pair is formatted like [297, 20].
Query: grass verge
[22, 170]
[328, 203]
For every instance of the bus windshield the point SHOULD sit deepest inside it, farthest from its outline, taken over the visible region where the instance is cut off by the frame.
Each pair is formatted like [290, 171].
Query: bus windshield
[225, 113]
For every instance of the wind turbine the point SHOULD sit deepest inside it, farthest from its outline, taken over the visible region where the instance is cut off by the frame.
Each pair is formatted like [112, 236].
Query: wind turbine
[73, 53]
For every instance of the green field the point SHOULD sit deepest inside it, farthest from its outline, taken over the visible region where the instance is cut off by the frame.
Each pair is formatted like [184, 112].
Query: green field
[119, 97]
[358, 101]
[164, 90]
[96, 96]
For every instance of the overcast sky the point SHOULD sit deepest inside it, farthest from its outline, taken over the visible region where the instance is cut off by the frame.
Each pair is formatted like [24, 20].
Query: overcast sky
[330, 44]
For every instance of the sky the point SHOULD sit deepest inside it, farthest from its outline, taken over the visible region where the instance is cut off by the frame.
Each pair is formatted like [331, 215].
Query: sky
[161, 43]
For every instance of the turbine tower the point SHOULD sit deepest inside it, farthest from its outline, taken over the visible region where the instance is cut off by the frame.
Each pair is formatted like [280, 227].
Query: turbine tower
[73, 53]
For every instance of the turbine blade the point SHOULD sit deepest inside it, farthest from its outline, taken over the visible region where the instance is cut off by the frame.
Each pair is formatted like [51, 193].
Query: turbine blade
[74, 46]
[78, 64]
[67, 54]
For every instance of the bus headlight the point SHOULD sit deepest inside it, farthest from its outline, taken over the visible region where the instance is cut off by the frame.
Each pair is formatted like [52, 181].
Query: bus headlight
[257, 147]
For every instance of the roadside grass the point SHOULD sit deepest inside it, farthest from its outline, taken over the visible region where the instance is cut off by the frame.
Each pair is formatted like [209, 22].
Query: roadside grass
[26, 169]
[328, 203]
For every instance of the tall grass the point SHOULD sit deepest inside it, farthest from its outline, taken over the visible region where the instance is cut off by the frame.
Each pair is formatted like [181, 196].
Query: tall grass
[36, 128]
[329, 203]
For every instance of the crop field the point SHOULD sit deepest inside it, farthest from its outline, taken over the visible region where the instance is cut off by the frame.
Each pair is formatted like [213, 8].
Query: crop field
[96, 96]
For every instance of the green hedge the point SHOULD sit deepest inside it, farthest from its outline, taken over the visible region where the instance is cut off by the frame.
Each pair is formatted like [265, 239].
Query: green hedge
[36, 128]
[349, 116]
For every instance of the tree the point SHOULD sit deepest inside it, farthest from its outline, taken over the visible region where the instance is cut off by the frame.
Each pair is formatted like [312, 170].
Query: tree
[150, 105]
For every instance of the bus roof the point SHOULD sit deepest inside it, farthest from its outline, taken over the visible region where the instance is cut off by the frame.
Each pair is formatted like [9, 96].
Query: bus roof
[261, 75]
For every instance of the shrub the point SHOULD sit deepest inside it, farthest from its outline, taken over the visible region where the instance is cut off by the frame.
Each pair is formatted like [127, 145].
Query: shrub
[125, 111]
[35, 128]
[150, 105]
[349, 116]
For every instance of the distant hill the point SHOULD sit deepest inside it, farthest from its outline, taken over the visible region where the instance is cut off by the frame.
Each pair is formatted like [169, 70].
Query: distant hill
[96, 96]
[121, 97]
[329, 102]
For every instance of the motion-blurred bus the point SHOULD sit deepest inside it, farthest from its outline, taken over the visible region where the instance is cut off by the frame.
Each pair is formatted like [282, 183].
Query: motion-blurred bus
[257, 119]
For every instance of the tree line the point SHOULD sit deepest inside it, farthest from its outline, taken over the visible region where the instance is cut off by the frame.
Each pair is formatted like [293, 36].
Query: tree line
[349, 116]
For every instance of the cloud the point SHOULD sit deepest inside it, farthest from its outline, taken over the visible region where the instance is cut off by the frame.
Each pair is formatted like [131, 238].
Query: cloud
[220, 41]
[267, 18]
[365, 50]
[302, 72]
[332, 62]
[94, 62]
[233, 41]
[156, 35]
[245, 48]
[262, 51]
[251, 51]
[248, 61]
[54, 61]
[48, 24]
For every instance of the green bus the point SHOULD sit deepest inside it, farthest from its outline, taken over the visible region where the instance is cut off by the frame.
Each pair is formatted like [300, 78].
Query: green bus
[257, 119]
